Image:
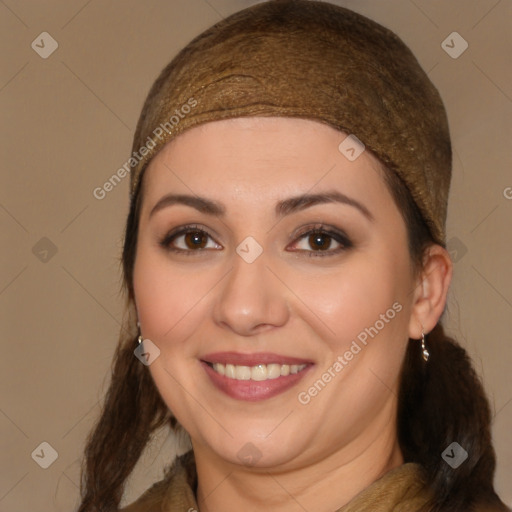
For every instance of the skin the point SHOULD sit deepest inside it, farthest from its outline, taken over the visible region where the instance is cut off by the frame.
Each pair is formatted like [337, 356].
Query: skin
[289, 301]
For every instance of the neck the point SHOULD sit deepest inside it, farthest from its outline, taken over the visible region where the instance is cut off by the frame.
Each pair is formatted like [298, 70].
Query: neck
[337, 478]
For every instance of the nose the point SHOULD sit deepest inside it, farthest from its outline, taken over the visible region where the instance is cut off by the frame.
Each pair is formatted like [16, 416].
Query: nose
[251, 299]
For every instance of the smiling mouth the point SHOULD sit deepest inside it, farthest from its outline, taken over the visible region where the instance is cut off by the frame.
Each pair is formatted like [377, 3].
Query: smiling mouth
[256, 373]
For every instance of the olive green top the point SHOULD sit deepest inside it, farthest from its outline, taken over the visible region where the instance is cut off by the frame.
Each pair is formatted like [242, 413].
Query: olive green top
[400, 490]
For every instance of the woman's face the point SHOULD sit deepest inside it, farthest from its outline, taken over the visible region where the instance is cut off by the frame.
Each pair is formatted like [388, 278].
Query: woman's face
[272, 273]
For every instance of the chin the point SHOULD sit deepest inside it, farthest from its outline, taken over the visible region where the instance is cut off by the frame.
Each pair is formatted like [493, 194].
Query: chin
[255, 449]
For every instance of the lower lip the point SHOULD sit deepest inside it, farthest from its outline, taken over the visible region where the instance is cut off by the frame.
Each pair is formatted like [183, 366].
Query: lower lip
[251, 390]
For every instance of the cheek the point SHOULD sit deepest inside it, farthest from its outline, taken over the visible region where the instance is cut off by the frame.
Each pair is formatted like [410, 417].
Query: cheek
[155, 306]
[352, 298]
[364, 306]
[167, 300]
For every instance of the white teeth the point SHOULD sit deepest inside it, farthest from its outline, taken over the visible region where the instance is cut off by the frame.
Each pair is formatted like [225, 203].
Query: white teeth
[229, 371]
[242, 372]
[274, 371]
[219, 368]
[259, 372]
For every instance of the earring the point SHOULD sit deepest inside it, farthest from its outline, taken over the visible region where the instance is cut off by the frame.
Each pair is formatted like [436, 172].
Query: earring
[424, 350]
[140, 339]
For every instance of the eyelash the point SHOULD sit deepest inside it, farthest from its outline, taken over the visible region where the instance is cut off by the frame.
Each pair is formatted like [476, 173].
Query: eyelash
[320, 229]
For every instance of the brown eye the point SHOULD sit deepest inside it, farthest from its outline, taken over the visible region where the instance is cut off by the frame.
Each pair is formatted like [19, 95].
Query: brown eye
[320, 241]
[195, 240]
[188, 240]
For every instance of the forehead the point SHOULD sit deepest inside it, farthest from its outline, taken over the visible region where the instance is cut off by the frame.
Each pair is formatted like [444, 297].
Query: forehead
[264, 156]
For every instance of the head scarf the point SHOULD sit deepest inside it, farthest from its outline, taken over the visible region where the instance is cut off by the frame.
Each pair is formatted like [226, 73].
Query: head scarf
[312, 60]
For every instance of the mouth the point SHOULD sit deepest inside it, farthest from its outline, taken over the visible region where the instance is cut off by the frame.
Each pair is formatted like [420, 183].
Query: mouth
[256, 373]
[254, 377]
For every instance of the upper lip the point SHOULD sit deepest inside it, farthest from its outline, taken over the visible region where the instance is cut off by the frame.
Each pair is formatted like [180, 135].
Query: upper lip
[239, 359]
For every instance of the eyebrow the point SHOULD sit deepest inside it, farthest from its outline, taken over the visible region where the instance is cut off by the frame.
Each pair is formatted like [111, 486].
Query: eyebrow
[283, 208]
[293, 204]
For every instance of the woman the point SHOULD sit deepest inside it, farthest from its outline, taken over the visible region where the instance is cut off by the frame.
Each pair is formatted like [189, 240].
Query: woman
[286, 271]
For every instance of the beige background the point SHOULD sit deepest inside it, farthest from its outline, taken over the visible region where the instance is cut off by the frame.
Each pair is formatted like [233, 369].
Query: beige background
[67, 124]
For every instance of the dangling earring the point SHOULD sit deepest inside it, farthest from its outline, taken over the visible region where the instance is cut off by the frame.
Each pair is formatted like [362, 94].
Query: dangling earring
[424, 350]
[140, 339]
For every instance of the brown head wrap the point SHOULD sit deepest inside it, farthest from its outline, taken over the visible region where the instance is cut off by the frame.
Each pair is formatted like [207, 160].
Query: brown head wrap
[313, 60]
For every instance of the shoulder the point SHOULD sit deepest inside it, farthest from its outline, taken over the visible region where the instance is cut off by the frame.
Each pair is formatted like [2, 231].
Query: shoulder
[177, 487]
[150, 501]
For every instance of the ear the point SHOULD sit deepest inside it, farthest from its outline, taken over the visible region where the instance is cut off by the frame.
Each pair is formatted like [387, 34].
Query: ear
[431, 291]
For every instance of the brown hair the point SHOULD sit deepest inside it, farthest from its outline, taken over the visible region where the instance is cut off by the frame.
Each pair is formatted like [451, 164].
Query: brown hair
[439, 402]
[443, 401]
